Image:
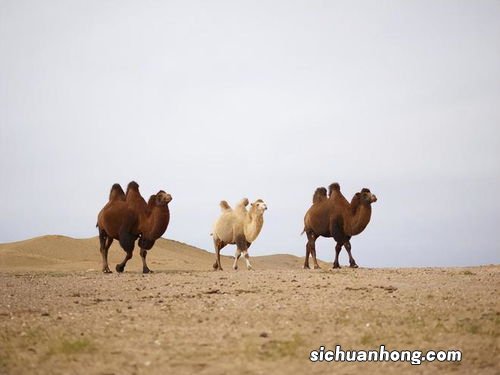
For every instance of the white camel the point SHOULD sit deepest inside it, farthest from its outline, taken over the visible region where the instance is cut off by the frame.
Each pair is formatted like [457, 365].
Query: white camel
[239, 227]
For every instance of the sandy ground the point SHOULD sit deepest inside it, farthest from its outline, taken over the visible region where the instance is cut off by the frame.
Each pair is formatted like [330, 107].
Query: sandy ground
[60, 315]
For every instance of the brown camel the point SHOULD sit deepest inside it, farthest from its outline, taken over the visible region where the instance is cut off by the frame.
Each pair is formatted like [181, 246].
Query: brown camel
[334, 216]
[128, 217]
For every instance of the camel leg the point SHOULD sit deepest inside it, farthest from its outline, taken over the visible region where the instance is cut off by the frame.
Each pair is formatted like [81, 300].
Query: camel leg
[105, 243]
[218, 265]
[218, 244]
[306, 260]
[308, 251]
[338, 247]
[242, 245]
[247, 256]
[121, 267]
[236, 257]
[247, 259]
[352, 262]
[145, 268]
[312, 248]
[106, 249]
[102, 242]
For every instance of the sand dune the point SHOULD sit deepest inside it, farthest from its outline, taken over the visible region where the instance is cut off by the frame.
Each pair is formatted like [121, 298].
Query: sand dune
[61, 253]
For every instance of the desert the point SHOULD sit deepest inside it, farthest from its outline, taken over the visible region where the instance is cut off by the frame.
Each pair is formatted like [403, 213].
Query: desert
[60, 314]
[247, 187]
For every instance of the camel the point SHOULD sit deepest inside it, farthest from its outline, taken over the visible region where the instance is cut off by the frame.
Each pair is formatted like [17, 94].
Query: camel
[127, 217]
[334, 216]
[239, 227]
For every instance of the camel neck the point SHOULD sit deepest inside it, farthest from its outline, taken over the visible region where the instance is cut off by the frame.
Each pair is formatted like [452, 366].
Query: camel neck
[361, 218]
[157, 222]
[254, 225]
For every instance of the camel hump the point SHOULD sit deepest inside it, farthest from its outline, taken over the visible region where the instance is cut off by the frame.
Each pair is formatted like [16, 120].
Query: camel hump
[333, 187]
[319, 195]
[132, 185]
[224, 206]
[116, 193]
[243, 203]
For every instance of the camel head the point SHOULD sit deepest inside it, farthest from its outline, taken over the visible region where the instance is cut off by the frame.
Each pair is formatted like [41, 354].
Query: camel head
[162, 199]
[259, 205]
[366, 196]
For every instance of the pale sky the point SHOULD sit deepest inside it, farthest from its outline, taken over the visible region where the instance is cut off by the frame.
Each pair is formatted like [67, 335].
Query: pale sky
[212, 100]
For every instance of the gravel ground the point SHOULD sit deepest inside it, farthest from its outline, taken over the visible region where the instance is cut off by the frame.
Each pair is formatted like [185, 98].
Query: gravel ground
[259, 322]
